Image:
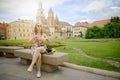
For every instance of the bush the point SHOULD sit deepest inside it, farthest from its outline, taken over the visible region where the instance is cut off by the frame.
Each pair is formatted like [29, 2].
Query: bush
[53, 44]
[24, 43]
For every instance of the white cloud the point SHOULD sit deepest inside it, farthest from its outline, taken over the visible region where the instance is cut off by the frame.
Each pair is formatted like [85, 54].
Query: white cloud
[16, 8]
[51, 3]
[87, 20]
[25, 18]
[115, 8]
[97, 5]
[113, 11]
[102, 9]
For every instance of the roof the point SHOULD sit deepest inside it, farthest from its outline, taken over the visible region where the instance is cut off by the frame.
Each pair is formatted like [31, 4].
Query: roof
[99, 23]
[95, 23]
[82, 24]
[3, 25]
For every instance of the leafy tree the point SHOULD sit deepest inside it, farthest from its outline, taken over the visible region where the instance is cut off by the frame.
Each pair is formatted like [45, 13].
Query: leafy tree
[94, 32]
[115, 19]
[110, 30]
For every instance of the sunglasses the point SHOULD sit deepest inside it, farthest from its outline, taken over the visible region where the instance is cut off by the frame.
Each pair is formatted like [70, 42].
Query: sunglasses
[39, 26]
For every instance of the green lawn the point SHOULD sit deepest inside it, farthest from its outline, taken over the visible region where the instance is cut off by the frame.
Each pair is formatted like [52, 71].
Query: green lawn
[76, 58]
[109, 50]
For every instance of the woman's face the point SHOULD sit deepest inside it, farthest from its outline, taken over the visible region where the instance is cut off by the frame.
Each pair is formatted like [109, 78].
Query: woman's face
[38, 28]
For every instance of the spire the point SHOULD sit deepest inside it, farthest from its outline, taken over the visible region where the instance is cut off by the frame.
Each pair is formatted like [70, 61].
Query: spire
[50, 13]
[56, 20]
[50, 19]
[40, 9]
[40, 15]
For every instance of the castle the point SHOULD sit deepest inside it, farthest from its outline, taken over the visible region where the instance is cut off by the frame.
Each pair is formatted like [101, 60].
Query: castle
[51, 24]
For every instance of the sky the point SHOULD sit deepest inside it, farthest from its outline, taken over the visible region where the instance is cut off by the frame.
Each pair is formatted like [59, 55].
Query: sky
[70, 11]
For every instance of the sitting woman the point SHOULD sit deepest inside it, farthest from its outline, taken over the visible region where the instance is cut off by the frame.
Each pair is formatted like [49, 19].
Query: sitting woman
[38, 48]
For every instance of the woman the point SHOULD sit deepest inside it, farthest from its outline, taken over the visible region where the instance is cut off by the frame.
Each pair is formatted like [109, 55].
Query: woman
[38, 48]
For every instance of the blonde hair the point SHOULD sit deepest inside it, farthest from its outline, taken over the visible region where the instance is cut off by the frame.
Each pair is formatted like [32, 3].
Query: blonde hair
[36, 31]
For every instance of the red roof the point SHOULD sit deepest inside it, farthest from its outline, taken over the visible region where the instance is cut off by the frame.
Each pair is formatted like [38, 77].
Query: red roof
[99, 23]
[95, 23]
[3, 25]
[83, 24]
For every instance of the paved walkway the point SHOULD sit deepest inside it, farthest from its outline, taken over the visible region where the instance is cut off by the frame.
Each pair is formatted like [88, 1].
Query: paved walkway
[11, 69]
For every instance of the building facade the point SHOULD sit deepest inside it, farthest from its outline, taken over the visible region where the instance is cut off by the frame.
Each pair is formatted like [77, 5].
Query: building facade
[3, 31]
[20, 29]
[79, 31]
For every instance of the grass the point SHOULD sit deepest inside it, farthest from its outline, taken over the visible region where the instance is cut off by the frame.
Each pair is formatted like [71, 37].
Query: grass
[77, 58]
[108, 50]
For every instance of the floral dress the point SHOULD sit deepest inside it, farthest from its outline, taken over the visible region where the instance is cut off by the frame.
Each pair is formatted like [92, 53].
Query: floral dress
[38, 42]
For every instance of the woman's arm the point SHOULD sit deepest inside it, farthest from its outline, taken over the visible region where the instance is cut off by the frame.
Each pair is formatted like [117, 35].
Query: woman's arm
[30, 40]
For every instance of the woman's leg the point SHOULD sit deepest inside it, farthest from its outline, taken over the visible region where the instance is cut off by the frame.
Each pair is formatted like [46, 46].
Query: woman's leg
[38, 62]
[37, 59]
[38, 65]
[34, 59]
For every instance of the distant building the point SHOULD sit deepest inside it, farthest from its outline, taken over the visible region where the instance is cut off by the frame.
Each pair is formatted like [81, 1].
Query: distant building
[3, 31]
[80, 28]
[68, 31]
[79, 31]
[52, 24]
[20, 29]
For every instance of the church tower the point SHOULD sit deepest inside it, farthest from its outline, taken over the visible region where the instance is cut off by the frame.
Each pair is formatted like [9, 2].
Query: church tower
[40, 15]
[57, 21]
[50, 19]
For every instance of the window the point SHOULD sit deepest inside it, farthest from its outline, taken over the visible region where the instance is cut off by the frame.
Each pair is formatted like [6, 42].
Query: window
[20, 35]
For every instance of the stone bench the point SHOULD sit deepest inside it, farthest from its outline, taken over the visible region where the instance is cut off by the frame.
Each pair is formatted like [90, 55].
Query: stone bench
[9, 50]
[49, 62]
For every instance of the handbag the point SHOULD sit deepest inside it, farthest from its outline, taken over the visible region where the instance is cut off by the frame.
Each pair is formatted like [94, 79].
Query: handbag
[50, 51]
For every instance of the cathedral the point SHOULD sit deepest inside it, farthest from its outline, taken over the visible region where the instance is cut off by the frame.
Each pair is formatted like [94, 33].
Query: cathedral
[51, 25]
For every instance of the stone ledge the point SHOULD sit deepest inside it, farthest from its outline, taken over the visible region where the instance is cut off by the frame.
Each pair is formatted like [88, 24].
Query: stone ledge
[92, 70]
[50, 63]
[56, 59]
[9, 50]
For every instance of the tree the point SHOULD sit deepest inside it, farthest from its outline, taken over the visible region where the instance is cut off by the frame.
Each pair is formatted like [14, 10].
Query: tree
[81, 35]
[110, 30]
[115, 19]
[94, 32]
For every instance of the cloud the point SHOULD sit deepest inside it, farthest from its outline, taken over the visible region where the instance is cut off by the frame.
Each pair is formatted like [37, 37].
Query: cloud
[87, 20]
[113, 11]
[102, 9]
[51, 3]
[115, 8]
[16, 8]
[97, 5]
[25, 18]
